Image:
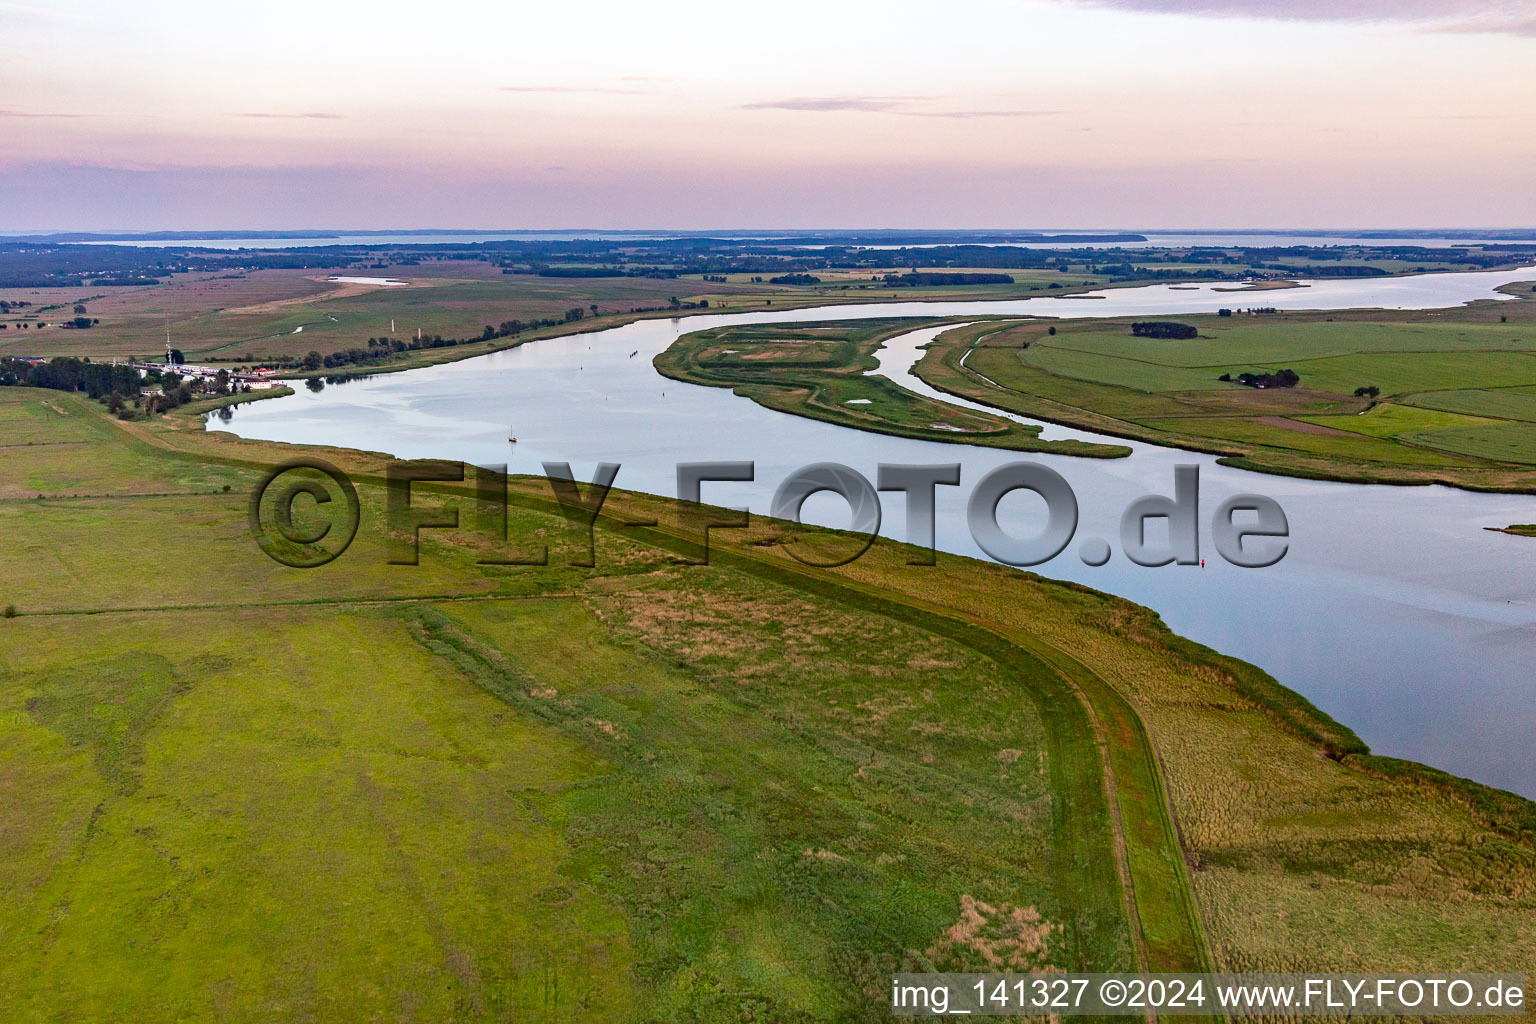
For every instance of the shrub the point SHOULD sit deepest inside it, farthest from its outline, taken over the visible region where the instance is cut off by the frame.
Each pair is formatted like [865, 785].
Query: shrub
[1278, 379]
[1166, 329]
[10, 611]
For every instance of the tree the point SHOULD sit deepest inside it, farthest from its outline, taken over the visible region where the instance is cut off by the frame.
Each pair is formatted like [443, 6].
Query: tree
[177, 359]
[114, 402]
[79, 308]
[314, 360]
[1166, 329]
[1369, 391]
[1051, 331]
[221, 382]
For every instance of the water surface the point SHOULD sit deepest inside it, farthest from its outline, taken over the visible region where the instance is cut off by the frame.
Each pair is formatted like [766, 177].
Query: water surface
[1394, 611]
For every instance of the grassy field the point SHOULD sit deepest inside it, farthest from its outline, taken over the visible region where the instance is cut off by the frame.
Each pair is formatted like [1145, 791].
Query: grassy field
[1454, 400]
[259, 316]
[820, 370]
[647, 790]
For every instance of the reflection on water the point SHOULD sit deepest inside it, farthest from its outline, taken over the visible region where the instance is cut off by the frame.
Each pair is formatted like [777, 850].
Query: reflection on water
[1395, 611]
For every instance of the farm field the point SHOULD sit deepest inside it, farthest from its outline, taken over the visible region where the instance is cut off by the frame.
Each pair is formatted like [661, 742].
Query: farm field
[265, 314]
[286, 306]
[1444, 396]
[262, 315]
[648, 789]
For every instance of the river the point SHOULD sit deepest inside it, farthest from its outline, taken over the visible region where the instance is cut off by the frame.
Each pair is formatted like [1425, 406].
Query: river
[1394, 610]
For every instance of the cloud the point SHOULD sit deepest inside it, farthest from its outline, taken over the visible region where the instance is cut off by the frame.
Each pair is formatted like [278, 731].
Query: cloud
[1509, 17]
[868, 104]
[600, 90]
[29, 113]
[314, 116]
[966, 114]
[905, 106]
[31, 11]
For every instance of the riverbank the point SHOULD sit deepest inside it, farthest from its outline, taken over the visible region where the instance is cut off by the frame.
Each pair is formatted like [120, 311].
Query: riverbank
[1237, 817]
[821, 370]
[586, 399]
[1384, 397]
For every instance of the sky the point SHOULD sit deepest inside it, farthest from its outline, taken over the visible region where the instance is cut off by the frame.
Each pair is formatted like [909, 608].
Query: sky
[1084, 114]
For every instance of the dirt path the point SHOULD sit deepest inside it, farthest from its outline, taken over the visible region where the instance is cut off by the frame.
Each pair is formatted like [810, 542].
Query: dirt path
[338, 290]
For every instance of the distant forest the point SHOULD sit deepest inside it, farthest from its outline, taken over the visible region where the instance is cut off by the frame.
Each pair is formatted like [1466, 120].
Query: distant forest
[50, 262]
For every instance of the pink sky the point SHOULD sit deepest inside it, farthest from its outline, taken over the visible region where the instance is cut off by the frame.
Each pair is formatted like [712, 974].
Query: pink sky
[974, 113]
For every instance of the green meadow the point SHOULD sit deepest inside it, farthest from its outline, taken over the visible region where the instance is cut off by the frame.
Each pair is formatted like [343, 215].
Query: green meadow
[821, 370]
[1435, 396]
[648, 790]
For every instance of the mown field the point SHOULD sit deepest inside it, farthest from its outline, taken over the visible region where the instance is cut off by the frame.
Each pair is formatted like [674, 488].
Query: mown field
[1448, 395]
[821, 370]
[647, 790]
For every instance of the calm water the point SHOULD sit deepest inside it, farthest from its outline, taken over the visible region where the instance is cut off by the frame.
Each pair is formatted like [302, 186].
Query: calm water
[1394, 610]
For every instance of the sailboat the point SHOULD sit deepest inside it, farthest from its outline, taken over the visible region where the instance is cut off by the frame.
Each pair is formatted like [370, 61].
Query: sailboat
[511, 437]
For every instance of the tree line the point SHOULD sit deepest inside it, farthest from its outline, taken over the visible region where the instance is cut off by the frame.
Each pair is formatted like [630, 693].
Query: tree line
[1164, 329]
[1278, 379]
[65, 373]
[920, 279]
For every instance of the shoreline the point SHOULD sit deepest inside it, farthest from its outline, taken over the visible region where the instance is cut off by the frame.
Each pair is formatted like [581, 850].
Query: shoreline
[469, 349]
[943, 362]
[1288, 709]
